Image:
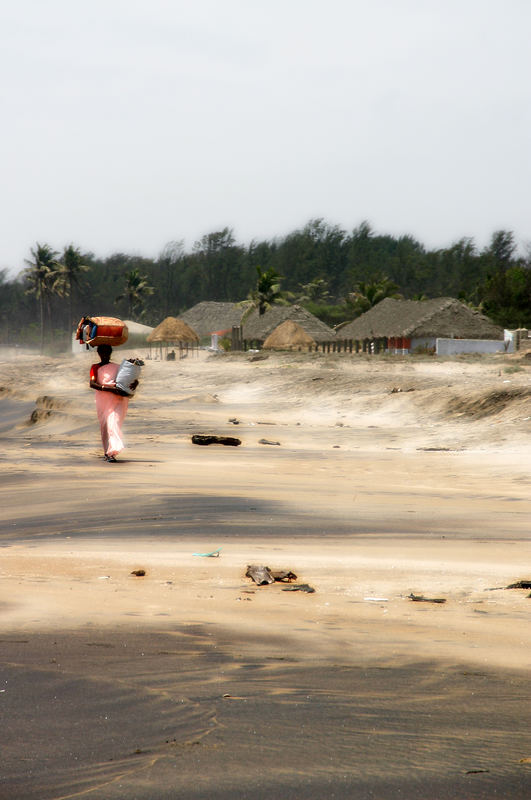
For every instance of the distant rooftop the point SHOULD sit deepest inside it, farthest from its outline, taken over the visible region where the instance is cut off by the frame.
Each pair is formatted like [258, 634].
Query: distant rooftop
[441, 317]
[258, 328]
[210, 316]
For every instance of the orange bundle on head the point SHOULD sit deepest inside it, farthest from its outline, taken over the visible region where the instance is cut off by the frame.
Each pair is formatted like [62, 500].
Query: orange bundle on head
[102, 330]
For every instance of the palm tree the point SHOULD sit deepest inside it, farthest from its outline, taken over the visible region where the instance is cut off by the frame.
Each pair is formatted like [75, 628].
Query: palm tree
[267, 290]
[44, 279]
[72, 268]
[368, 293]
[314, 292]
[136, 288]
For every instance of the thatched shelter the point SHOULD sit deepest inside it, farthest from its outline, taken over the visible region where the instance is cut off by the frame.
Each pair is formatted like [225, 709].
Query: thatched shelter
[173, 331]
[256, 327]
[409, 324]
[289, 335]
[208, 317]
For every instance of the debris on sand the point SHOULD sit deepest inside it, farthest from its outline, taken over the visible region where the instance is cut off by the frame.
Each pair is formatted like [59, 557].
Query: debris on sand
[211, 438]
[139, 573]
[264, 576]
[284, 575]
[299, 587]
[526, 584]
[212, 554]
[520, 585]
[267, 441]
[419, 598]
[234, 421]
[260, 575]
[436, 449]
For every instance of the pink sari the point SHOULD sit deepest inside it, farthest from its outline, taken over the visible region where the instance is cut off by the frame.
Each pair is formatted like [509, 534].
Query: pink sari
[111, 409]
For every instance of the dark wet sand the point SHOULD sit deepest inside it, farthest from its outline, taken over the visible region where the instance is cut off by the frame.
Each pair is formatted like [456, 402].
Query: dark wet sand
[117, 714]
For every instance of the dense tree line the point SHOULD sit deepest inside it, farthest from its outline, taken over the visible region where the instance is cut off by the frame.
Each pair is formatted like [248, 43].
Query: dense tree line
[335, 274]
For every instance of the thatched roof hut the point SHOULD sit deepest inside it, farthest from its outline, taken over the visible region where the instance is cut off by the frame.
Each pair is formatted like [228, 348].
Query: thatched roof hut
[289, 335]
[208, 316]
[173, 331]
[257, 328]
[443, 317]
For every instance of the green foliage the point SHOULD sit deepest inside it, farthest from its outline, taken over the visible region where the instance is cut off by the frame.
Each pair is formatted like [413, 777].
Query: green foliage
[136, 290]
[314, 292]
[266, 291]
[215, 270]
[72, 267]
[44, 279]
[506, 296]
[331, 315]
[368, 293]
[43, 275]
[316, 251]
[501, 249]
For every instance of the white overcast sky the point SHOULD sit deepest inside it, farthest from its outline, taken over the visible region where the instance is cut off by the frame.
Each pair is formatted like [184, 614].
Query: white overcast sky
[129, 123]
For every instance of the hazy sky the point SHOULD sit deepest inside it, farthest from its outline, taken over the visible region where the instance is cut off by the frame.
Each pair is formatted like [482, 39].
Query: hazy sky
[130, 123]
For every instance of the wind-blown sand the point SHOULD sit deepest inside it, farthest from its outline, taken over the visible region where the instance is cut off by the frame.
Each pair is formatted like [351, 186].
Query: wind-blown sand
[391, 476]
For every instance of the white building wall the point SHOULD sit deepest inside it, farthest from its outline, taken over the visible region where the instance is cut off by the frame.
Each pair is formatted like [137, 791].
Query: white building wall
[450, 347]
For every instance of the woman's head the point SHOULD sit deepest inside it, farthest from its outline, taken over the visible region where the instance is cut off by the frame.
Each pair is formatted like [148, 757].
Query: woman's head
[104, 351]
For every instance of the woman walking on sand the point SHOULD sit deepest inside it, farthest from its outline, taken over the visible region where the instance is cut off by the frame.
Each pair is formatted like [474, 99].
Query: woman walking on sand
[111, 402]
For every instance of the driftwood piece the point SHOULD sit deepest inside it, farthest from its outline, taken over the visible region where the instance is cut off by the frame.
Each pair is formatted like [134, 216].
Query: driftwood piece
[260, 575]
[268, 441]
[211, 438]
[419, 598]
[263, 575]
[139, 573]
[519, 585]
[283, 575]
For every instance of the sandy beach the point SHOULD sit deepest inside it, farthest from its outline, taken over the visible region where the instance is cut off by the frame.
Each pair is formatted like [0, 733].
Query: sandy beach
[372, 479]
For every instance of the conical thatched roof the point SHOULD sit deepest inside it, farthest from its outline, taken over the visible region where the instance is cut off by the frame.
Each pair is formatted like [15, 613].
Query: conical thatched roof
[442, 317]
[209, 316]
[288, 335]
[173, 330]
[258, 328]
